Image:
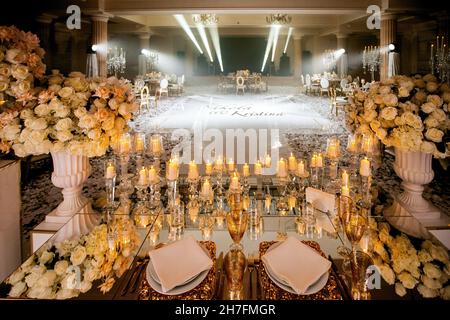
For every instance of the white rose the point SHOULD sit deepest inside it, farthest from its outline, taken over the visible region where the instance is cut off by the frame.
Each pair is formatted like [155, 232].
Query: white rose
[439, 115]
[400, 289]
[61, 111]
[424, 255]
[64, 294]
[87, 121]
[427, 147]
[85, 286]
[431, 283]
[42, 110]
[37, 136]
[47, 279]
[431, 122]
[64, 136]
[407, 280]
[439, 253]
[11, 132]
[20, 87]
[427, 292]
[61, 267]
[26, 114]
[80, 112]
[17, 276]
[18, 289]
[387, 274]
[434, 135]
[91, 274]
[78, 255]
[46, 257]
[19, 71]
[11, 55]
[54, 88]
[428, 107]
[38, 124]
[43, 147]
[64, 124]
[388, 113]
[19, 150]
[94, 134]
[432, 270]
[66, 92]
[41, 293]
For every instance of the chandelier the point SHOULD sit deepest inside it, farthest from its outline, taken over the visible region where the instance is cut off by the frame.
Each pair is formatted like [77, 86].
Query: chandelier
[329, 58]
[116, 61]
[279, 19]
[205, 19]
[150, 58]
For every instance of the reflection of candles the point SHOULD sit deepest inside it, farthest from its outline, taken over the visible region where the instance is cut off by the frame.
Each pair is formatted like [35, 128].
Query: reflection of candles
[143, 176]
[231, 166]
[152, 176]
[352, 147]
[220, 221]
[139, 142]
[234, 184]
[313, 161]
[345, 191]
[333, 170]
[258, 168]
[301, 168]
[267, 202]
[345, 178]
[364, 243]
[172, 169]
[267, 161]
[206, 190]
[292, 202]
[367, 144]
[245, 202]
[319, 161]
[364, 167]
[292, 163]
[332, 151]
[156, 144]
[246, 170]
[124, 144]
[193, 171]
[208, 168]
[110, 171]
[219, 164]
[281, 170]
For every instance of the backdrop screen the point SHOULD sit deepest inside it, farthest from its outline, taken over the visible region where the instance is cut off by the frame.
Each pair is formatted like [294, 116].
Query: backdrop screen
[242, 53]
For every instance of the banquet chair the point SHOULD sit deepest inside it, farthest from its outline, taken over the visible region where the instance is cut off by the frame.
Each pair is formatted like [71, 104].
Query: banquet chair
[163, 88]
[144, 97]
[308, 84]
[336, 102]
[324, 86]
[257, 85]
[240, 85]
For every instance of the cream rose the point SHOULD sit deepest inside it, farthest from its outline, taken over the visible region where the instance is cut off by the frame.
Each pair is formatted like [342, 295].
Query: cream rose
[17, 276]
[102, 114]
[439, 115]
[20, 87]
[18, 289]
[369, 115]
[390, 100]
[407, 280]
[435, 99]
[432, 271]
[427, 147]
[87, 122]
[387, 274]
[431, 283]
[42, 110]
[85, 286]
[446, 97]
[19, 71]
[388, 113]
[413, 120]
[420, 96]
[384, 90]
[434, 135]
[400, 289]
[54, 88]
[428, 107]
[66, 92]
[64, 294]
[64, 124]
[47, 279]
[78, 255]
[100, 103]
[38, 124]
[403, 92]
[80, 112]
[108, 124]
[5, 70]
[61, 267]
[61, 111]
[10, 132]
[3, 85]
[12, 56]
[64, 135]
[431, 122]
[419, 83]
[46, 257]
[94, 134]
[432, 86]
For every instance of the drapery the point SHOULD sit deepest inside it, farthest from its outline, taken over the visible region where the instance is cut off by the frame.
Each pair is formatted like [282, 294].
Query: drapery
[394, 64]
[343, 66]
[91, 65]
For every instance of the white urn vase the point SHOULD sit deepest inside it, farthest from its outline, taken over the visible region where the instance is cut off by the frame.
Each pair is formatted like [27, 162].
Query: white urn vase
[70, 172]
[410, 208]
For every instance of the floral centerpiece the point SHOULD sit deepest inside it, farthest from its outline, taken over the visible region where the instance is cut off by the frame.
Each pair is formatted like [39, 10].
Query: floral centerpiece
[66, 269]
[20, 66]
[407, 113]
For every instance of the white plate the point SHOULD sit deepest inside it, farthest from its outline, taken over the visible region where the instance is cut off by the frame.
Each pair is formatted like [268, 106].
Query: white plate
[314, 288]
[152, 273]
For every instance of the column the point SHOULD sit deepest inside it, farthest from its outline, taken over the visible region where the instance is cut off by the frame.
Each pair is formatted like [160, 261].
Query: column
[342, 63]
[144, 43]
[189, 59]
[297, 55]
[44, 23]
[100, 38]
[388, 34]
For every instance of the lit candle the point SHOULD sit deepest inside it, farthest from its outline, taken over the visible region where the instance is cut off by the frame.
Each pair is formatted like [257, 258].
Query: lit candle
[364, 167]
[267, 161]
[267, 201]
[432, 45]
[258, 168]
[234, 184]
[156, 144]
[143, 177]
[313, 161]
[332, 151]
[231, 165]
[292, 201]
[352, 145]
[245, 202]
[345, 178]
[193, 171]
[281, 170]
[219, 164]
[367, 144]
[345, 191]
[124, 144]
[292, 163]
[139, 142]
[152, 175]
[208, 168]
[319, 161]
[301, 169]
[110, 170]
[206, 191]
[172, 170]
[246, 170]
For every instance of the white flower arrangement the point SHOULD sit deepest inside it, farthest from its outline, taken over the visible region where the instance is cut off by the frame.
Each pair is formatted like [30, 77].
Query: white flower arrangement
[48, 273]
[411, 114]
[400, 263]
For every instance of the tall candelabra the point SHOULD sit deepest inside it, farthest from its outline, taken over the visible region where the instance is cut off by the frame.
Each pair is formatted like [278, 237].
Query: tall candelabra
[371, 60]
[116, 61]
[329, 59]
[440, 59]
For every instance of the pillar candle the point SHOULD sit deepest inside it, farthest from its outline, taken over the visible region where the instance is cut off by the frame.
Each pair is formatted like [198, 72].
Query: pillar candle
[345, 191]
[281, 170]
[156, 144]
[172, 170]
[152, 175]
[208, 168]
[292, 163]
[267, 161]
[314, 161]
[345, 178]
[258, 168]
[143, 176]
[231, 165]
[332, 151]
[234, 183]
[124, 144]
[319, 161]
[351, 147]
[193, 171]
[206, 191]
[267, 202]
[301, 168]
[219, 164]
[292, 201]
[364, 167]
[110, 171]
[246, 170]
[139, 143]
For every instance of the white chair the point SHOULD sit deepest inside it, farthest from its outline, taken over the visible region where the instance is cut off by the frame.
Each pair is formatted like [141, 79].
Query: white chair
[163, 88]
[307, 84]
[240, 85]
[324, 86]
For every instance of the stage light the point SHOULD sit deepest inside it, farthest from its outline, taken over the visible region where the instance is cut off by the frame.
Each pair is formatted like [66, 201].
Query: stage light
[214, 33]
[287, 39]
[275, 40]
[340, 52]
[391, 47]
[145, 52]
[201, 31]
[183, 23]
[268, 46]
[94, 48]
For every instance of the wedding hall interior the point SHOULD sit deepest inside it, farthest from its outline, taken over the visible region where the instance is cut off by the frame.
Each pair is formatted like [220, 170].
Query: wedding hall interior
[224, 150]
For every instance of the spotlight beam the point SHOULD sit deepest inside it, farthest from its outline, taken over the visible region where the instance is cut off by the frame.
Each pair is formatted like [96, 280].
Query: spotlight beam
[201, 31]
[214, 33]
[269, 45]
[183, 23]
[287, 39]
[275, 40]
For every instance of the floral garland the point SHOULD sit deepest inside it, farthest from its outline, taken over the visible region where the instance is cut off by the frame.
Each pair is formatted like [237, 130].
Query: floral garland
[408, 113]
[427, 269]
[20, 64]
[48, 274]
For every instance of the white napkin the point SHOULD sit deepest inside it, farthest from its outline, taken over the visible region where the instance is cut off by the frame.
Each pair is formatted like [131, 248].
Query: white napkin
[321, 200]
[178, 262]
[296, 264]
